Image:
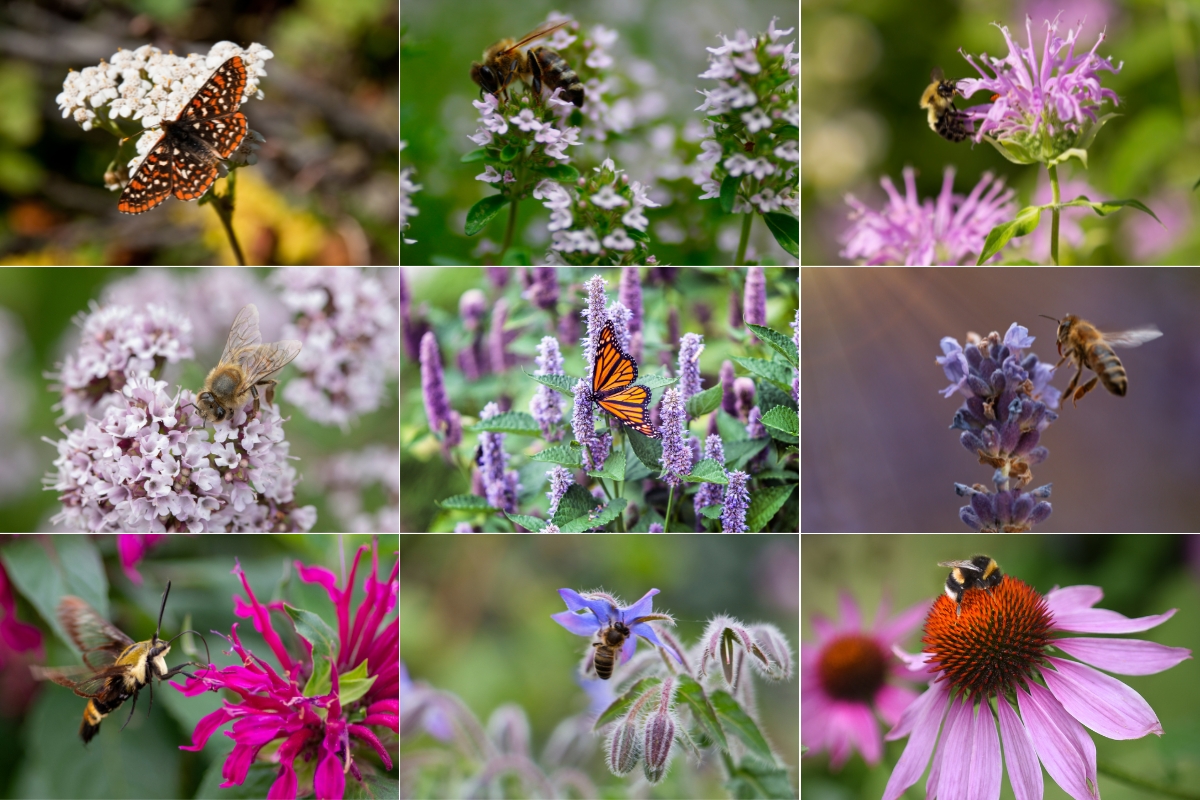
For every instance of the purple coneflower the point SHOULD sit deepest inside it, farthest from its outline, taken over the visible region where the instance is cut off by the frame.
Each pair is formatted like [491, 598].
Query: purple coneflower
[909, 231]
[843, 681]
[999, 649]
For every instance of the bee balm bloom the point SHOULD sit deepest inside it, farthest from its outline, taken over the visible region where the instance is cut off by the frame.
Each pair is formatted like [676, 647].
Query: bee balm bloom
[997, 663]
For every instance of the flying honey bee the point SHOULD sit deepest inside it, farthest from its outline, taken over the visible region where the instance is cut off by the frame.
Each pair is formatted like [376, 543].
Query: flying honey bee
[945, 120]
[1085, 346]
[505, 60]
[245, 365]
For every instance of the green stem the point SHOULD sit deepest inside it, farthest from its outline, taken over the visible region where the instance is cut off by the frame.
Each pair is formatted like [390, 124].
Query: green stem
[1054, 214]
[745, 240]
[1106, 768]
[512, 226]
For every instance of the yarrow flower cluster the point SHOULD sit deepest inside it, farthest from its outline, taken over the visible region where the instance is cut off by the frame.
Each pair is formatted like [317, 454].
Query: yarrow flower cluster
[1008, 405]
[947, 231]
[753, 122]
[146, 465]
[349, 324]
[148, 86]
[116, 345]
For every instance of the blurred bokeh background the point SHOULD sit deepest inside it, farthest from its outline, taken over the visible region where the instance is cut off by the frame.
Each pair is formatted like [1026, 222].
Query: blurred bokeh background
[876, 437]
[1140, 576]
[324, 190]
[658, 52]
[349, 475]
[865, 65]
[476, 613]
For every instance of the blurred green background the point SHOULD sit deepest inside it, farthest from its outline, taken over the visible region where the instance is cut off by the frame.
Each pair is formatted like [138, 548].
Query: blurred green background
[45, 302]
[1140, 575]
[865, 64]
[660, 43]
[476, 613]
[323, 190]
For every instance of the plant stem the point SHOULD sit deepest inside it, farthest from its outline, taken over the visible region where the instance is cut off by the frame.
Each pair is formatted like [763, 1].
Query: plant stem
[1054, 214]
[512, 226]
[745, 240]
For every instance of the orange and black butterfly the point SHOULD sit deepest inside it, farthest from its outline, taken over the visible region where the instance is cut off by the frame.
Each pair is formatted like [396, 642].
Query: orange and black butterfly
[613, 385]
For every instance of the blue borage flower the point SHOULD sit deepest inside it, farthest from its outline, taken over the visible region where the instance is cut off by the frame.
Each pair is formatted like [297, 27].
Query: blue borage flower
[605, 610]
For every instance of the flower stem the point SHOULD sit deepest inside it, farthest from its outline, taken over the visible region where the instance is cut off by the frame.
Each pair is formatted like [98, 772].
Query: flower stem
[745, 240]
[1054, 213]
[1117, 773]
[512, 226]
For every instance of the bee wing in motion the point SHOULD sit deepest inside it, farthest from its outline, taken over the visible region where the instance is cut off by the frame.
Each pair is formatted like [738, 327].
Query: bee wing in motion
[1133, 338]
[98, 640]
[960, 565]
[545, 29]
[84, 681]
[243, 333]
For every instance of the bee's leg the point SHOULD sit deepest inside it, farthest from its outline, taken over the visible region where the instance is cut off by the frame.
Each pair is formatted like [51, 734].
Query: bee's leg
[1087, 387]
[132, 705]
[254, 391]
[269, 389]
[1073, 383]
[535, 69]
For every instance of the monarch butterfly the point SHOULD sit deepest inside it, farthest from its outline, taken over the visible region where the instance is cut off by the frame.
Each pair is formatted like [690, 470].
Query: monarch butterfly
[613, 385]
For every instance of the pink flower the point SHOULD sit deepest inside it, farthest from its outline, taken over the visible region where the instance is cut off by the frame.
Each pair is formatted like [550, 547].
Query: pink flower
[843, 681]
[998, 648]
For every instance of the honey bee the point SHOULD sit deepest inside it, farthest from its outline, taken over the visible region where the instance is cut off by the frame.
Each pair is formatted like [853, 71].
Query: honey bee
[505, 60]
[245, 365]
[612, 639]
[1085, 346]
[945, 120]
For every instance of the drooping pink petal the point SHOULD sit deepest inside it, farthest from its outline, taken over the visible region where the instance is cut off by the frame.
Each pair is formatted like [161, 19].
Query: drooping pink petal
[1064, 747]
[986, 769]
[890, 702]
[1102, 620]
[862, 729]
[1024, 771]
[1124, 656]
[970, 753]
[923, 718]
[1101, 702]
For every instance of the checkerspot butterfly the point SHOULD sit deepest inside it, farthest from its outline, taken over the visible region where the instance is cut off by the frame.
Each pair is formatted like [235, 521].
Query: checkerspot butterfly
[184, 160]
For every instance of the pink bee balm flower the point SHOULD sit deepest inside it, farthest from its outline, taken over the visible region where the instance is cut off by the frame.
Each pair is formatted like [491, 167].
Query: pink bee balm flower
[843, 681]
[995, 660]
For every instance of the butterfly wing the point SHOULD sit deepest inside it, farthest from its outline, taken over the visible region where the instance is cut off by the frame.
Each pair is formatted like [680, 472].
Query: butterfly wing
[631, 406]
[612, 376]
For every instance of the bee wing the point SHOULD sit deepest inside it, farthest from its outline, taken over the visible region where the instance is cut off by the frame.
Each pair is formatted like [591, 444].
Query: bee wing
[936, 75]
[959, 564]
[1133, 338]
[242, 334]
[98, 639]
[82, 680]
[261, 361]
[545, 29]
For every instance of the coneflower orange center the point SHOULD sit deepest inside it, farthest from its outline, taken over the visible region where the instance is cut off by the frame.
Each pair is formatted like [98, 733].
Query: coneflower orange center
[852, 667]
[1000, 637]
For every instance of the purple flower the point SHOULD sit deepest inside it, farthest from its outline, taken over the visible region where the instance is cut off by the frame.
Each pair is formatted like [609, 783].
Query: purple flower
[676, 454]
[728, 401]
[629, 292]
[947, 231]
[349, 326]
[999, 647]
[737, 500]
[433, 389]
[756, 298]
[543, 288]
[589, 613]
[690, 349]
[1046, 106]
[501, 487]
[743, 396]
[546, 405]
[710, 494]
[796, 338]
[560, 480]
[844, 681]
[297, 710]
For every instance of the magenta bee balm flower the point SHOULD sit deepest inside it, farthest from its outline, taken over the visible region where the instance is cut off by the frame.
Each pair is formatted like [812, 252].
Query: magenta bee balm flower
[996, 662]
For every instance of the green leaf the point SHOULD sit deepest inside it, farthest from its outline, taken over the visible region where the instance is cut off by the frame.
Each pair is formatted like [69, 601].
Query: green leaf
[781, 343]
[738, 723]
[785, 422]
[563, 384]
[614, 467]
[786, 230]
[563, 173]
[693, 694]
[527, 522]
[776, 372]
[482, 212]
[1106, 207]
[474, 155]
[1067, 155]
[729, 188]
[705, 402]
[707, 471]
[312, 629]
[465, 502]
[518, 422]
[563, 454]
[598, 518]
[1025, 223]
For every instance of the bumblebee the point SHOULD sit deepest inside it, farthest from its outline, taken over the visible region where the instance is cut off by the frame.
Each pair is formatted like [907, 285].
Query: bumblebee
[944, 118]
[981, 572]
